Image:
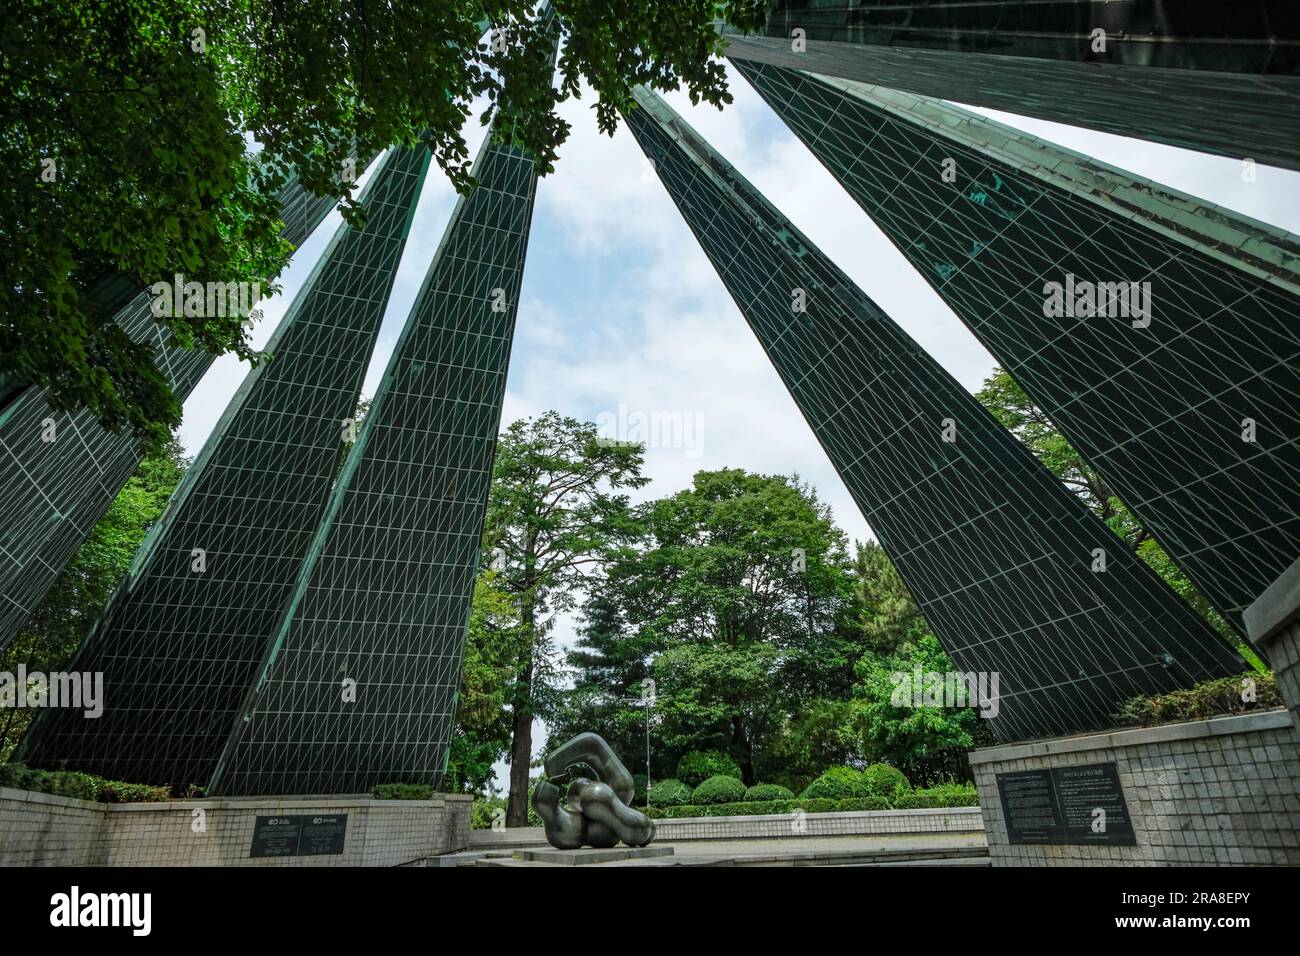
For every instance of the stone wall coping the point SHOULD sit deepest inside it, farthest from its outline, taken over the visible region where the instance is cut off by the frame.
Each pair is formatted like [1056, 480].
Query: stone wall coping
[50, 799]
[835, 815]
[1275, 607]
[1135, 736]
[233, 803]
[664, 826]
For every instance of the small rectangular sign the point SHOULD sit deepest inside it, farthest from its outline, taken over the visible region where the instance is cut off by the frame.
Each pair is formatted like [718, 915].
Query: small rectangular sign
[1066, 805]
[299, 835]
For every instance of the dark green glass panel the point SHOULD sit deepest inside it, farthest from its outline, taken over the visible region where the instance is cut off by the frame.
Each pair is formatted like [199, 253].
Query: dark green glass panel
[997, 553]
[1157, 410]
[1219, 78]
[180, 641]
[384, 597]
[56, 491]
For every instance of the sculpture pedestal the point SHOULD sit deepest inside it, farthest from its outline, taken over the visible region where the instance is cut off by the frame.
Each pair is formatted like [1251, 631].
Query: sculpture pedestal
[588, 855]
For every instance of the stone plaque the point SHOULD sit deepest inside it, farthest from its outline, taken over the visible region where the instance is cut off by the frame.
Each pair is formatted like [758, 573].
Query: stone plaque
[1029, 806]
[323, 836]
[1092, 805]
[299, 835]
[1066, 805]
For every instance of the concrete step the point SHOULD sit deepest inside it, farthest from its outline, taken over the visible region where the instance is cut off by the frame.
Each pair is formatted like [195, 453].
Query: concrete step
[864, 857]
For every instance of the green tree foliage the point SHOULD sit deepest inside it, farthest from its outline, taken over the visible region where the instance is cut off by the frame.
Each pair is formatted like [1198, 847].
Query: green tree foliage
[738, 593]
[52, 635]
[493, 646]
[144, 105]
[124, 168]
[762, 639]
[888, 616]
[1012, 407]
[610, 665]
[922, 741]
[556, 516]
[822, 733]
[699, 765]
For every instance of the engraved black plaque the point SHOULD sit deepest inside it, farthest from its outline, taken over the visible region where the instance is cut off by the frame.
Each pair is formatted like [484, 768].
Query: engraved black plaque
[299, 835]
[1066, 805]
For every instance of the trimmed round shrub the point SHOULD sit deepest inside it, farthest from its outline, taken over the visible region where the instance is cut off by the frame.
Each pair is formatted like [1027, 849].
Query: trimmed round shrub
[638, 789]
[699, 765]
[837, 783]
[719, 789]
[884, 780]
[762, 792]
[669, 793]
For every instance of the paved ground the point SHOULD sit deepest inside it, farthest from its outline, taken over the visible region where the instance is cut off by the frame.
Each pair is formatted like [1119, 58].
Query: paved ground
[926, 849]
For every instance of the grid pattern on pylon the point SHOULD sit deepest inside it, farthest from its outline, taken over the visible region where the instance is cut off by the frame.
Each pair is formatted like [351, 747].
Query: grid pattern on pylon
[179, 645]
[56, 491]
[386, 600]
[1158, 411]
[997, 553]
[1221, 79]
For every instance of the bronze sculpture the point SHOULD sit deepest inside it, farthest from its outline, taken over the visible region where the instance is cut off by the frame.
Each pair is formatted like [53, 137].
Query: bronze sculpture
[596, 812]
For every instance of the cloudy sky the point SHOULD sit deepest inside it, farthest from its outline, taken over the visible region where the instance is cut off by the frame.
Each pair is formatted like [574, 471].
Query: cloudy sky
[620, 307]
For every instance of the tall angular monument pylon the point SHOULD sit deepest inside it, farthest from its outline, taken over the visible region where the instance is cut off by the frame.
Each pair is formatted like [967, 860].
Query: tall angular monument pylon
[62, 470]
[182, 636]
[1014, 575]
[1190, 413]
[1218, 78]
[358, 684]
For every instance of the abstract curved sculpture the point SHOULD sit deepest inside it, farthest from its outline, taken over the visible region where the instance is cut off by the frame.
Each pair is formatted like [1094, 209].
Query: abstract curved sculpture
[593, 812]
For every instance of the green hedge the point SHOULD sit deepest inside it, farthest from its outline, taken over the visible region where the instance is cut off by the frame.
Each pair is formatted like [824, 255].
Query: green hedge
[669, 793]
[1212, 698]
[403, 791]
[752, 809]
[719, 789]
[943, 795]
[765, 792]
[114, 791]
[699, 765]
[80, 786]
[837, 783]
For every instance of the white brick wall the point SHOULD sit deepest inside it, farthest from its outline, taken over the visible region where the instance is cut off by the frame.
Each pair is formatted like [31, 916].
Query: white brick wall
[38, 829]
[1210, 792]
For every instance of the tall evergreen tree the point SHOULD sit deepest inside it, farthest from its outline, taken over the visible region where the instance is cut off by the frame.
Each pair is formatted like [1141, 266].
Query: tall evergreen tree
[556, 516]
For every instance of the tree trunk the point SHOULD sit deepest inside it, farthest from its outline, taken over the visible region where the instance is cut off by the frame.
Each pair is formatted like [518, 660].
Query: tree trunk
[521, 755]
[520, 749]
[741, 745]
[521, 731]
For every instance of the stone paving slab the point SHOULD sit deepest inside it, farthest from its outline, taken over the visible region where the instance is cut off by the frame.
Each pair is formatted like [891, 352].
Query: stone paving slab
[589, 855]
